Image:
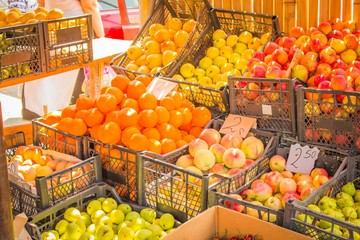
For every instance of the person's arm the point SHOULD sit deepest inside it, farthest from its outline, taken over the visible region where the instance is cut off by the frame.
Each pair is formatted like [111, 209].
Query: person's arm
[91, 6]
[41, 3]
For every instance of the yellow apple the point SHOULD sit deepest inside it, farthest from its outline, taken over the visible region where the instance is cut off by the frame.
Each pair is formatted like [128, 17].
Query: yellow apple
[226, 51]
[232, 40]
[219, 33]
[205, 81]
[219, 43]
[219, 61]
[212, 71]
[168, 57]
[173, 23]
[154, 28]
[134, 52]
[151, 47]
[178, 77]
[154, 60]
[240, 48]
[212, 52]
[189, 25]
[234, 57]
[205, 62]
[187, 70]
[245, 37]
[227, 67]
[180, 38]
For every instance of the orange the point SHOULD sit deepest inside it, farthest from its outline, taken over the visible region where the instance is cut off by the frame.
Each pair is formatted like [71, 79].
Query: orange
[167, 145]
[187, 116]
[113, 116]
[68, 111]
[127, 133]
[183, 133]
[129, 102]
[120, 81]
[106, 103]
[53, 117]
[188, 138]
[94, 132]
[84, 102]
[177, 135]
[168, 103]
[135, 89]
[138, 142]
[64, 124]
[145, 79]
[154, 146]
[78, 127]
[147, 101]
[148, 118]
[195, 131]
[188, 104]
[94, 117]
[81, 114]
[176, 118]
[163, 114]
[180, 143]
[128, 117]
[103, 89]
[109, 133]
[166, 130]
[201, 116]
[178, 98]
[116, 92]
[151, 133]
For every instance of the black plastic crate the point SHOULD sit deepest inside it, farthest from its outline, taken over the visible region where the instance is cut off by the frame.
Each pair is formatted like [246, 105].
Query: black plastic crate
[163, 189]
[232, 22]
[331, 123]
[22, 51]
[120, 166]
[12, 142]
[50, 138]
[68, 41]
[333, 161]
[163, 10]
[273, 105]
[307, 225]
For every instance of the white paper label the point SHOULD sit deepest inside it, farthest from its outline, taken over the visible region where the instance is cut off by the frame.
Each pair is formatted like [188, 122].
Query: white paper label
[302, 158]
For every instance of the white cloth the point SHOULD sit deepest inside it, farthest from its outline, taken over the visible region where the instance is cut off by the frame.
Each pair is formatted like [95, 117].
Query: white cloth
[55, 91]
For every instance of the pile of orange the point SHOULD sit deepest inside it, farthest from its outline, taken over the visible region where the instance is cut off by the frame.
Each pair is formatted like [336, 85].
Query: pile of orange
[126, 114]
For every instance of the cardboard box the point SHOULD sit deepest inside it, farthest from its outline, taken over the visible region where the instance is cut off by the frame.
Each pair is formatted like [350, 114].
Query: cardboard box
[219, 220]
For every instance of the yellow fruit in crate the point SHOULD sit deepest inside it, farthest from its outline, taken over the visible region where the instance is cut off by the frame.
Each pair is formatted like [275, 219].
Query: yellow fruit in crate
[152, 46]
[41, 10]
[232, 40]
[17, 10]
[26, 17]
[168, 57]
[173, 23]
[180, 38]
[141, 60]
[33, 20]
[3, 24]
[167, 45]
[27, 172]
[245, 37]
[134, 52]
[2, 15]
[40, 16]
[162, 35]
[154, 28]
[132, 66]
[189, 25]
[44, 171]
[154, 60]
[144, 69]
[12, 17]
[219, 33]
[55, 14]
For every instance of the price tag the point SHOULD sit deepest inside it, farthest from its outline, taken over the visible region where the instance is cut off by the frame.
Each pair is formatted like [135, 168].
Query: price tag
[160, 87]
[13, 167]
[301, 159]
[294, 61]
[235, 124]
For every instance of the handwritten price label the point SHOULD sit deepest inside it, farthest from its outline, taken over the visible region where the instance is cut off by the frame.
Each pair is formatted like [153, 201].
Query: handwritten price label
[13, 167]
[160, 87]
[302, 159]
[235, 124]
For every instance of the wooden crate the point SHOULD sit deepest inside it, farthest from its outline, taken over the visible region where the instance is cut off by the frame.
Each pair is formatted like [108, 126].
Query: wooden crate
[304, 13]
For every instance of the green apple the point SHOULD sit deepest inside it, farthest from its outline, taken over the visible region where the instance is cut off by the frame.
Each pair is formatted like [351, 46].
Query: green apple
[95, 216]
[334, 231]
[155, 229]
[115, 228]
[187, 70]
[125, 223]
[86, 236]
[137, 223]
[142, 234]
[349, 213]
[132, 215]
[240, 48]
[227, 67]
[91, 229]
[178, 77]
[72, 214]
[349, 188]
[25, 69]
[93, 206]
[81, 223]
[219, 61]
[73, 231]
[357, 195]
[109, 204]
[219, 33]
[125, 208]
[199, 72]
[167, 221]
[226, 52]
[327, 202]
[212, 71]
[117, 216]
[205, 81]
[212, 52]
[245, 37]
[205, 62]
[105, 220]
[219, 43]
[104, 232]
[344, 200]
[55, 233]
[86, 217]
[232, 40]
[60, 226]
[355, 221]
[148, 214]
[48, 236]
[126, 233]
[304, 218]
[314, 207]
[234, 57]
[5, 74]
[170, 230]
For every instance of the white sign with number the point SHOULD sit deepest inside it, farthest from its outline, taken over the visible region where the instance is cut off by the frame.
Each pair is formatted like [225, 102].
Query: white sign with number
[301, 159]
[160, 87]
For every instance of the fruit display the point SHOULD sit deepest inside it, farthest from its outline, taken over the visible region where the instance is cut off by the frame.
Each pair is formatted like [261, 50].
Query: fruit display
[182, 183]
[333, 211]
[102, 215]
[265, 196]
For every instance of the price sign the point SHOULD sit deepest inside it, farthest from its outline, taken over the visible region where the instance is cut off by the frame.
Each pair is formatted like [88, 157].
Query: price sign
[301, 159]
[160, 87]
[13, 167]
[235, 124]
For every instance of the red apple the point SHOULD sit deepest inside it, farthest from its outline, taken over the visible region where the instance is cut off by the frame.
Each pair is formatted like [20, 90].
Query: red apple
[233, 205]
[309, 61]
[319, 78]
[280, 56]
[248, 195]
[337, 24]
[288, 42]
[262, 191]
[328, 55]
[300, 185]
[210, 136]
[351, 41]
[296, 32]
[325, 27]
[273, 179]
[339, 64]
[338, 82]
[316, 45]
[259, 55]
[287, 196]
[319, 180]
[287, 185]
[324, 69]
[338, 71]
[353, 72]
[306, 192]
[318, 171]
[273, 72]
[335, 34]
[258, 71]
[312, 135]
[270, 48]
[287, 174]
[277, 163]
